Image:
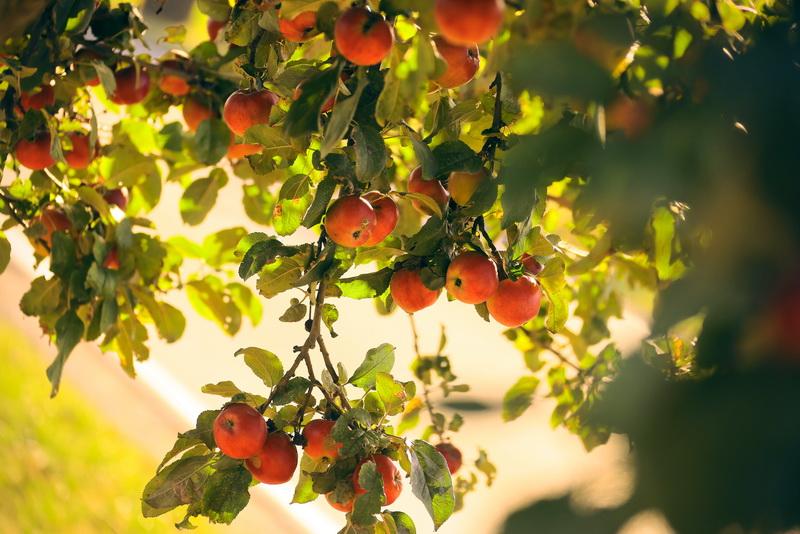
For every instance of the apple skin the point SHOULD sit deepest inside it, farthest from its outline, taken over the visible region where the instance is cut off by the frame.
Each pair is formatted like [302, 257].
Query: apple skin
[319, 443]
[451, 455]
[462, 62]
[431, 188]
[173, 81]
[195, 112]
[242, 150]
[340, 506]
[246, 108]
[297, 30]
[462, 185]
[392, 481]
[350, 221]
[466, 22]
[531, 264]
[112, 259]
[213, 27]
[277, 460]
[240, 431]
[132, 86]
[34, 154]
[472, 277]
[53, 220]
[81, 155]
[386, 215]
[364, 38]
[41, 99]
[410, 293]
[515, 302]
[116, 197]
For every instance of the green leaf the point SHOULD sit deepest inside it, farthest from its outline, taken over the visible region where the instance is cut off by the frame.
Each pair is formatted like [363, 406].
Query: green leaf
[330, 314]
[455, 156]
[295, 312]
[662, 225]
[208, 297]
[537, 161]
[279, 276]
[320, 203]
[200, 197]
[202, 433]
[556, 68]
[370, 152]
[211, 141]
[553, 283]
[5, 252]
[226, 494]
[215, 9]
[366, 286]
[43, 297]
[264, 364]
[340, 120]
[273, 141]
[106, 75]
[431, 482]
[379, 359]
[391, 392]
[424, 155]
[519, 397]
[368, 504]
[62, 255]
[179, 483]
[169, 321]
[287, 216]
[295, 187]
[402, 522]
[261, 253]
[304, 113]
[69, 331]
[304, 491]
[226, 388]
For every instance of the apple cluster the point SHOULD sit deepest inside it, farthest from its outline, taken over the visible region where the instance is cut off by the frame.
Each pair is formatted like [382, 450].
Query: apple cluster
[242, 433]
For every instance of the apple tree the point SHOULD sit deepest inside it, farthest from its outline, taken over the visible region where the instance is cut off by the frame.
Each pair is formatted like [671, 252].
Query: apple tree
[550, 164]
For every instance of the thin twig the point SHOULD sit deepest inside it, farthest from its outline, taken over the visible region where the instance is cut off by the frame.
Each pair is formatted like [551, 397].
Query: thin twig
[481, 225]
[12, 210]
[425, 389]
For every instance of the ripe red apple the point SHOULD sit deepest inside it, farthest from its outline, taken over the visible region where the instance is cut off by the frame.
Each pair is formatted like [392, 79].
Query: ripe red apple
[350, 221]
[386, 215]
[472, 277]
[34, 153]
[242, 150]
[340, 506]
[245, 108]
[277, 460]
[213, 27]
[299, 28]
[462, 185]
[531, 264]
[632, 117]
[466, 22]
[515, 302]
[195, 111]
[363, 37]
[451, 455]
[392, 481]
[40, 98]
[112, 259]
[462, 62]
[240, 431]
[319, 442]
[81, 154]
[410, 293]
[116, 197]
[173, 78]
[132, 85]
[431, 188]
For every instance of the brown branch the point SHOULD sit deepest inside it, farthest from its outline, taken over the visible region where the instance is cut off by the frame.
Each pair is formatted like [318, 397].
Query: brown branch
[12, 210]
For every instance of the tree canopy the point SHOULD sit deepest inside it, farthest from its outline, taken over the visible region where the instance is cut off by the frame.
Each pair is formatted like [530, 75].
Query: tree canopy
[552, 164]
